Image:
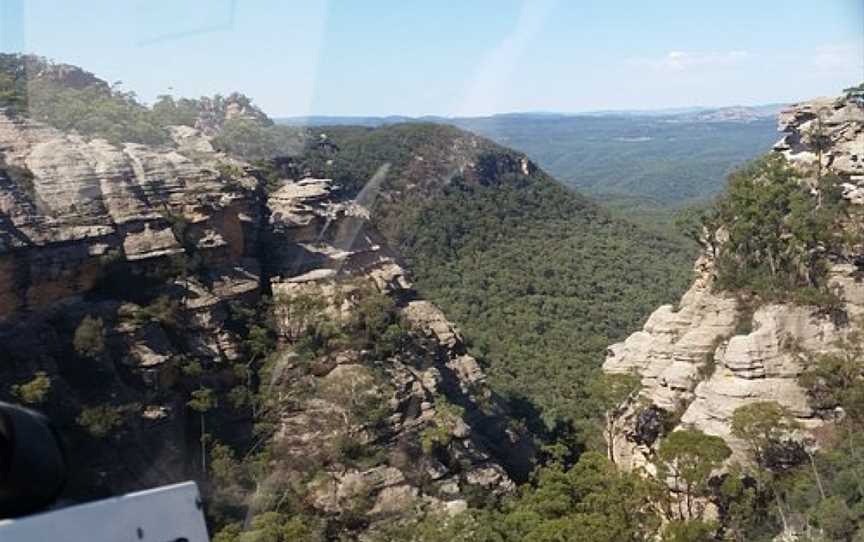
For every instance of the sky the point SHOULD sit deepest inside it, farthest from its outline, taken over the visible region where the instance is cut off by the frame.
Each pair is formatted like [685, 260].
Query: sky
[444, 57]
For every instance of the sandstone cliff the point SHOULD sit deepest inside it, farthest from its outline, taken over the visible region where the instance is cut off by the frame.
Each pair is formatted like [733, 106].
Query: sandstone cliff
[712, 352]
[161, 245]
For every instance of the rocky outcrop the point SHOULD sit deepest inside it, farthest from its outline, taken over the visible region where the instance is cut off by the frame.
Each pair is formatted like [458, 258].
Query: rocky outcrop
[160, 246]
[712, 353]
[67, 203]
[827, 135]
[214, 112]
[334, 254]
[91, 229]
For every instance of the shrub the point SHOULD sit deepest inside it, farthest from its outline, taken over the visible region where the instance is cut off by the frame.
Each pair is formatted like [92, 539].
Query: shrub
[240, 396]
[833, 516]
[709, 366]
[252, 140]
[35, 391]
[378, 325]
[89, 338]
[855, 93]
[94, 111]
[440, 434]
[100, 420]
[203, 399]
[744, 317]
[192, 369]
[229, 172]
[21, 177]
[163, 310]
[170, 112]
[690, 531]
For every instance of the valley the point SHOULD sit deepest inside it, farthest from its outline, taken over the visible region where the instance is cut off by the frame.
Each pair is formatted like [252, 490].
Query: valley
[647, 160]
[475, 329]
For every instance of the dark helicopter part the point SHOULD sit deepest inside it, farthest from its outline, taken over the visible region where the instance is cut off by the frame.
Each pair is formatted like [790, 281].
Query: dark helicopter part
[32, 462]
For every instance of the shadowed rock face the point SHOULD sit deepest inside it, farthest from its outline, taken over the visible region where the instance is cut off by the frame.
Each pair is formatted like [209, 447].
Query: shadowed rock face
[709, 356]
[75, 211]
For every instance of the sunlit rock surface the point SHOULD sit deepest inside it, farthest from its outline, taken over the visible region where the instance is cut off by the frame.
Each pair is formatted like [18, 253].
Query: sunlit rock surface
[73, 209]
[707, 356]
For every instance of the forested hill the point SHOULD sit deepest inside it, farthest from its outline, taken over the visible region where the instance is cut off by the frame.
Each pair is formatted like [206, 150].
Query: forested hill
[539, 277]
[629, 159]
[273, 345]
[668, 160]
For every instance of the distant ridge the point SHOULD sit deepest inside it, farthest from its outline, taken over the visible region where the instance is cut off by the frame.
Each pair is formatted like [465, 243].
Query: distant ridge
[625, 158]
[733, 113]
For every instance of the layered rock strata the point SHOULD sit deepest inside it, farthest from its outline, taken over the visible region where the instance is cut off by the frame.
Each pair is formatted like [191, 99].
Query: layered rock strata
[90, 230]
[710, 354]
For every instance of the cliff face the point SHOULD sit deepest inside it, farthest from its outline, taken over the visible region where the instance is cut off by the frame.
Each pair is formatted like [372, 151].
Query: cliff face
[712, 353]
[163, 246]
[65, 202]
[330, 251]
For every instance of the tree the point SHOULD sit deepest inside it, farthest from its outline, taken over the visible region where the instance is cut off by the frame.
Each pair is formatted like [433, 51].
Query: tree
[767, 428]
[820, 142]
[837, 378]
[764, 426]
[253, 140]
[834, 518]
[274, 527]
[856, 93]
[89, 338]
[440, 434]
[743, 504]
[591, 501]
[688, 457]
[690, 531]
[203, 400]
[298, 313]
[95, 111]
[372, 316]
[700, 224]
[777, 231]
[35, 391]
[612, 392]
[170, 112]
[230, 483]
[359, 400]
[469, 526]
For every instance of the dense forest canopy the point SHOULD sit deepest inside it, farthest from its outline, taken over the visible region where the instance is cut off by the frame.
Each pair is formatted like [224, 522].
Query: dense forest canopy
[774, 232]
[540, 279]
[665, 160]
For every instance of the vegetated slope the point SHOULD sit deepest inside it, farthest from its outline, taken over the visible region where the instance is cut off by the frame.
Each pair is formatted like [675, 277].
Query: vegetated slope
[662, 159]
[768, 342]
[251, 333]
[636, 161]
[539, 277]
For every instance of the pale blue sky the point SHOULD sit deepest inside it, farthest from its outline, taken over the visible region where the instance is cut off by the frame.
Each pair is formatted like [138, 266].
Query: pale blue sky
[450, 57]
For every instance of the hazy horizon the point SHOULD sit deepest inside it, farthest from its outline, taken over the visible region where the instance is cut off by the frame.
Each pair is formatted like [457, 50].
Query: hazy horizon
[337, 58]
[659, 110]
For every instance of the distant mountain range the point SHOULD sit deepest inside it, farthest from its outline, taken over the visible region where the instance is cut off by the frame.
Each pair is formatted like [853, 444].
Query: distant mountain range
[734, 113]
